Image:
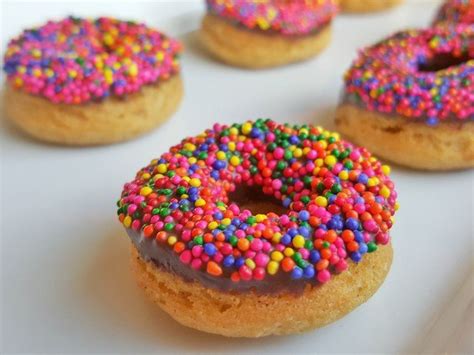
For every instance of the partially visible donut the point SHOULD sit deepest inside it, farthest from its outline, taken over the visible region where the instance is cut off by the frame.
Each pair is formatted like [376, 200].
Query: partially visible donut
[259, 34]
[410, 98]
[367, 5]
[82, 81]
[456, 11]
[260, 228]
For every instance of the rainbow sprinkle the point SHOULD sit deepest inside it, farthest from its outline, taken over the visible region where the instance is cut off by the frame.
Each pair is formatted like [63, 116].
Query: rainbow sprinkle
[76, 60]
[339, 201]
[282, 16]
[396, 76]
[456, 11]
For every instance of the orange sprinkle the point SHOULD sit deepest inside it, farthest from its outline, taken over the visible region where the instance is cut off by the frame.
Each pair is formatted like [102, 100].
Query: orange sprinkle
[213, 268]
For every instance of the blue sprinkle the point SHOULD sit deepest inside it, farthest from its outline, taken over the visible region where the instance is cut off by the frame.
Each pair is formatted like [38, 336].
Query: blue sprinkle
[297, 273]
[356, 256]
[210, 249]
[309, 272]
[314, 256]
[228, 261]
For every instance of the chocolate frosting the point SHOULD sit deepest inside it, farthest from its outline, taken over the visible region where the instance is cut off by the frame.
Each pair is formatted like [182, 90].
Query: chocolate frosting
[164, 258]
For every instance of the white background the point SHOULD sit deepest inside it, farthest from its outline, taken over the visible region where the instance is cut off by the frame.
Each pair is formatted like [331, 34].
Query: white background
[66, 285]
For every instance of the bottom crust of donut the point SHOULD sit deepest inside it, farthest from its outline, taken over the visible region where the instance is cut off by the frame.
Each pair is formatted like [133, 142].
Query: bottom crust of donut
[257, 315]
[447, 146]
[251, 49]
[367, 5]
[111, 120]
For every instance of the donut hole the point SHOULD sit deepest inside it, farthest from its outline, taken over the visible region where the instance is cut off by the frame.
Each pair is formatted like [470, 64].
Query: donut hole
[443, 61]
[254, 200]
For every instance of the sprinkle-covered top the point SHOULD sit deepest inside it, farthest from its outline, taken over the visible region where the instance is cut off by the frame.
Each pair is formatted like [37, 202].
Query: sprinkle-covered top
[282, 16]
[420, 74]
[456, 11]
[77, 60]
[339, 202]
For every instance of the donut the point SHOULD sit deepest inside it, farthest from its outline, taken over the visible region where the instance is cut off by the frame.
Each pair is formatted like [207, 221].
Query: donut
[260, 228]
[367, 5]
[91, 81]
[266, 33]
[410, 98]
[456, 11]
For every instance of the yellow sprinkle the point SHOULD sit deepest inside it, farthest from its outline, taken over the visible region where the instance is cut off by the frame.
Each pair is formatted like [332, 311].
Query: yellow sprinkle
[276, 237]
[319, 162]
[145, 191]
[195, 182]
[186, 178]
[233, 131]
[304, 131]
[385, 192]
[160, 56]
[212, 225]
[263, 23]
[272, 267]
[162, 168]
[108, 39]
[220, 155]
[246, 128]
[250, 263]
[226, 221]
[36, 53]
[260, 217]
[146, 176]
[133, 70]
[231, 146]
[298, 241]
[344, 175]
[276, 255]
[396, 206]
[235, 160]
[199, 202]
[271, 13]
[189, 146]
[192, 160]
[72, 73]
[386, 169]
[18, 82]
[330, 160]
[288, 251]
[321, 201]
[323, 144]
[127, 221]
[297, 153]
[172, 240]
[292, 148]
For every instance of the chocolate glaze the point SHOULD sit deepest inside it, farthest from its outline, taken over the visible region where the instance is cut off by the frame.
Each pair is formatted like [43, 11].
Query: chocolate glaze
[165, 258]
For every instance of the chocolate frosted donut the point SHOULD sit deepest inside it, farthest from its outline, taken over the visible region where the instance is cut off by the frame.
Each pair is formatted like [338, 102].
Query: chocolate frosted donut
[260, 34]
[243, 218]
[82, 81]
[410, 98]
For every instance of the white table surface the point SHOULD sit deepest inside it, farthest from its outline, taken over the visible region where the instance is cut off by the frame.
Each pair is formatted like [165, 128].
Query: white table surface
[66, 285]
